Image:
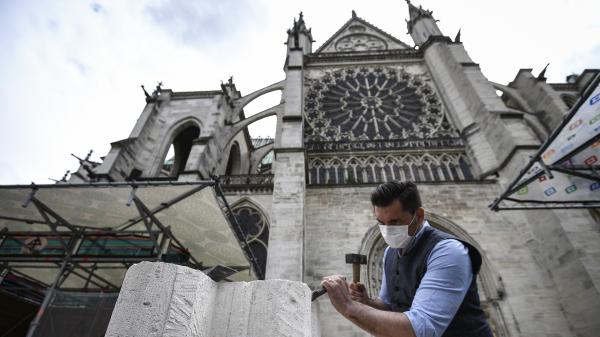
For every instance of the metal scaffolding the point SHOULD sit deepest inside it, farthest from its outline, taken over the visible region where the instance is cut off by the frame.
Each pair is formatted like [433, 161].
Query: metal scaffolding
[84, 253]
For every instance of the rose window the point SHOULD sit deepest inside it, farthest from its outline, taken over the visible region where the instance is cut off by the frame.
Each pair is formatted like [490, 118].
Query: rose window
[372, 104]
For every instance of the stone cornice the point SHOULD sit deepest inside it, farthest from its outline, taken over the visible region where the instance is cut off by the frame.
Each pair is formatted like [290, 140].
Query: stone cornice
[292, 118]
[449, 182]
[564, 86]
[195, 94]
[277, 150]
[433, 39]
[469, 64]
[411, 145]
[391, 54]
[383, 153]
[123, 142]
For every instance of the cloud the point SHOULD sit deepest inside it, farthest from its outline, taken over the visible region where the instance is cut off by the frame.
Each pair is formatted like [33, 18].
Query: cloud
[96, 7]
[200, 22]
[81, 67]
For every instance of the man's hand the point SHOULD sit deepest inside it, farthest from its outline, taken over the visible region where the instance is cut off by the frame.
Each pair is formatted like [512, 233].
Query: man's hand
[358, 292]
[374, 321]
[338, 292]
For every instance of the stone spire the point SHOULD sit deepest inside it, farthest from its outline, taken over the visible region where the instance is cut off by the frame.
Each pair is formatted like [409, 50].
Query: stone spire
[299, 36]
[457, 38]
[421, 24]
[542, 74]
[415, 12]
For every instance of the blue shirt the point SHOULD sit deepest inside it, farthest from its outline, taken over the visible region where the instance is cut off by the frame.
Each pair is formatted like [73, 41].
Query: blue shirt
[442, 288]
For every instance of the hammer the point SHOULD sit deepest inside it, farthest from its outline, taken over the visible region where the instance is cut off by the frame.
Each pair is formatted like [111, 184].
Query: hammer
[356, 260]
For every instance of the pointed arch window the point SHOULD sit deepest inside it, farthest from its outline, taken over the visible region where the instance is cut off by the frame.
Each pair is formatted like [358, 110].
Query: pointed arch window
[255, 226]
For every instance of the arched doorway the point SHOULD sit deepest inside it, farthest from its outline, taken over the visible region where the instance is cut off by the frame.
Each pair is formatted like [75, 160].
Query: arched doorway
[491, 290]
[179, 151]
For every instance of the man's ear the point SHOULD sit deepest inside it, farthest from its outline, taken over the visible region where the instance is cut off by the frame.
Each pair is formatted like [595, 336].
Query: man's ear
[421, 213]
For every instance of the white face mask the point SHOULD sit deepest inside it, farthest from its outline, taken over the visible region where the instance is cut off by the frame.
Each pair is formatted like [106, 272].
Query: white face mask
[397, 236]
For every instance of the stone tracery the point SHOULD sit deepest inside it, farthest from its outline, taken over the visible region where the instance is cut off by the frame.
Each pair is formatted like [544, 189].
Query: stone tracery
[373, 103]
[360, 42]
[357, 169]
[256, 229]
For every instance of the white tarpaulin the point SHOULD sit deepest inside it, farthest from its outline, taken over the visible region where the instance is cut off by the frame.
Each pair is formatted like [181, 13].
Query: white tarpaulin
[565, 172]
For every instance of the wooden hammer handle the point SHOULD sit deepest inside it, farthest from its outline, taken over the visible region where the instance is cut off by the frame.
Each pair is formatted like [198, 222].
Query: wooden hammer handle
[356, 272]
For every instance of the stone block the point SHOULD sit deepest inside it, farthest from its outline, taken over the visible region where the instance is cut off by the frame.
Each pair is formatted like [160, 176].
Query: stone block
[165, 300]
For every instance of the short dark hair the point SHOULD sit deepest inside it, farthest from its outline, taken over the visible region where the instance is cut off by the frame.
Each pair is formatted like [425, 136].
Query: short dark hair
[404, 191]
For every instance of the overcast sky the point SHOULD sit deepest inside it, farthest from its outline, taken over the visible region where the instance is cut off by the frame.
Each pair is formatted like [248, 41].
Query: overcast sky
[70, 71]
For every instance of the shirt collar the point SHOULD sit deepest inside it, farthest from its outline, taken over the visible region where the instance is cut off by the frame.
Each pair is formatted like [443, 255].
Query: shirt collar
[415, 239]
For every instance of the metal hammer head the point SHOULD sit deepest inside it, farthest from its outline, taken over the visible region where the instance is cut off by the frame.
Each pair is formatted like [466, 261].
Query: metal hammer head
[356, 259]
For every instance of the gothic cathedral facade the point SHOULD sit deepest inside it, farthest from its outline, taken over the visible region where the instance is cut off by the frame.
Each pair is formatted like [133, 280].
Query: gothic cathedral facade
[366, 108]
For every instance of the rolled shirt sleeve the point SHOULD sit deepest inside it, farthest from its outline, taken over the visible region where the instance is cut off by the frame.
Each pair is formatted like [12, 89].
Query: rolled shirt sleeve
[441, 290]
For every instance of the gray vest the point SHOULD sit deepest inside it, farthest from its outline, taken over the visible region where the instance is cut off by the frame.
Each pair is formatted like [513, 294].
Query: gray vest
[404, 274]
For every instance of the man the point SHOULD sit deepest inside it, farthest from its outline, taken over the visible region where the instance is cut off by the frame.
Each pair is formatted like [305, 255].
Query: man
[429, 281]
